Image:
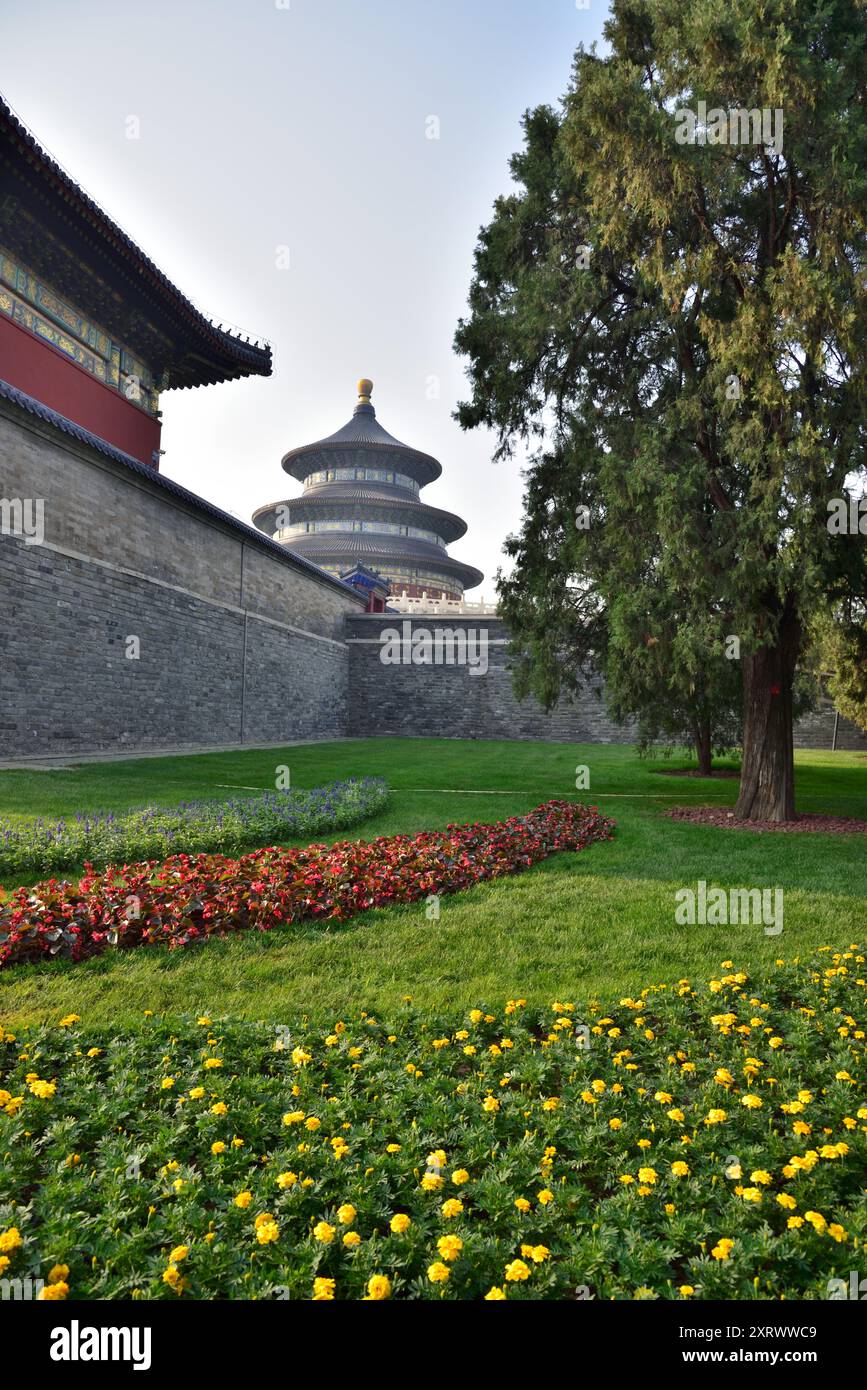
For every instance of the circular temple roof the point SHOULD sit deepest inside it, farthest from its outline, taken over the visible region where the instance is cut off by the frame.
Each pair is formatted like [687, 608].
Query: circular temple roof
[360, 447]
[362, 435]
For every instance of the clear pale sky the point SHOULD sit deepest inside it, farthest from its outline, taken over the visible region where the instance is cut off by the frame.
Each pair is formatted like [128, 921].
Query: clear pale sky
[302, 125]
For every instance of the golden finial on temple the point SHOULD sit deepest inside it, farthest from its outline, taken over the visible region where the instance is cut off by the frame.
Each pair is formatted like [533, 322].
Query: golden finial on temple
[365, 387]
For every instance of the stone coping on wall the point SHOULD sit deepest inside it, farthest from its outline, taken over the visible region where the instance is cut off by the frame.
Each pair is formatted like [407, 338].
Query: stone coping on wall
[31, 414]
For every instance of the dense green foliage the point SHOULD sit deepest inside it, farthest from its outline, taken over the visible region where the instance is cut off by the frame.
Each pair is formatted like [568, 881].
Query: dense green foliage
[705, 1141]
[684, 326]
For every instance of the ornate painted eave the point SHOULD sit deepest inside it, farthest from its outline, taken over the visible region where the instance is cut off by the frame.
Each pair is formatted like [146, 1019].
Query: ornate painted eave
[193, 351]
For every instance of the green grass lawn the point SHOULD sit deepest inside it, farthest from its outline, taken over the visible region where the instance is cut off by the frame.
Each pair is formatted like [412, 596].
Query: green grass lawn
[600, 922]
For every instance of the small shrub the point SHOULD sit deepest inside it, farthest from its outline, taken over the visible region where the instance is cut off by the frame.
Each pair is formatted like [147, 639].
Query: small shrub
[155, 831]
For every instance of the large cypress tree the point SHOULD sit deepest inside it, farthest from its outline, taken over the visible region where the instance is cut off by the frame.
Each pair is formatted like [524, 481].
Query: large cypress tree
[673, 304]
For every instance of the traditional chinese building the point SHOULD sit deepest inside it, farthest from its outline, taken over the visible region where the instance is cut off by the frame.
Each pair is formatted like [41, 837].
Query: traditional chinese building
[361, 508]
[90, 329]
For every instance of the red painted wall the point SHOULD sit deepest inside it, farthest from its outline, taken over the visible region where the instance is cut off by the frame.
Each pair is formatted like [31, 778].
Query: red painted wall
[47, 374]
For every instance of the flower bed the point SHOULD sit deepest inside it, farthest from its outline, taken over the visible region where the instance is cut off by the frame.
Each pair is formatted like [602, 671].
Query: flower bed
[156, 831]
[189, 898]
[701, 1142]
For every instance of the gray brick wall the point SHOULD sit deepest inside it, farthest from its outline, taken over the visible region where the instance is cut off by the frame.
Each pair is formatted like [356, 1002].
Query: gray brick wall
[447, 702]
[237, 643]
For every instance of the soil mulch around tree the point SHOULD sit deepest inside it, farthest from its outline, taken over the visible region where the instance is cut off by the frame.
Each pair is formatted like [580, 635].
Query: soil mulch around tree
[719, 816]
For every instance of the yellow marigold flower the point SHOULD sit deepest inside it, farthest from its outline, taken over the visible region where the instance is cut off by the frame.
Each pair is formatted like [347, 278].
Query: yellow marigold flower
[432, 1182]
[197, 1092]
[517, 1271]
[786, 1200]
[323, 1232]
[838, 1232]
[378, 1288]
[615, 1123]
[53, 1292]
[68, 1021]
[663, 1097]
[794, 1222]
[490, 1103]
[686, 1290]
[760, 1176]
[46, 1089]
[816, 1220]
[647, 1175]
[522, 1204]
[94, 1052]
[267, 1231]
[545, 1196]
[10, 1240]
[179, 1253]
[58, 1273]
[460, 1176]
[537, 1253]
[392, 1148]
[323, 1290]
[351, 1239]
[287, 1179]
[312, 1123]
[644, 1143]
[400, 1222]
[293, 1117]
[438, 1273]
[715, 1117]
[495, 1294]
[752, 1194]
[751, 1102]
[676, 1115]
[172, 1276]
[243, 1199]
[450, 1247]
[212, 1063]
[680, 1169]
[218, 1147]
[346, 1214]
[451, 1207]
[722, 1250]
[626, 1179]
[221, 1108]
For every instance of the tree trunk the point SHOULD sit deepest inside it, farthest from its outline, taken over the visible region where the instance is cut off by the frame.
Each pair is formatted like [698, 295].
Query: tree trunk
[767, 790]
[701, 739]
